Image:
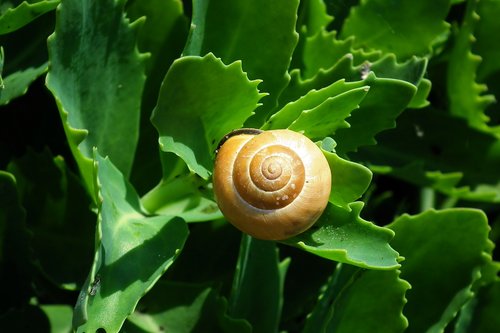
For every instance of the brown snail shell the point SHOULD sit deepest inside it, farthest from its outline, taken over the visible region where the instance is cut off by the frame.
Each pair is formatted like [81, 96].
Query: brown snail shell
[273, 185]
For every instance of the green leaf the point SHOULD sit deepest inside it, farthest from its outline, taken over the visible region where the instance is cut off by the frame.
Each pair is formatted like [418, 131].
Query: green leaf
[330, 115]
[215, 256]
[2, 87]
[182, 197]
[183, 308]
[466, 96]
[59, 317]
[323, 50]
[312, 100]
[420, 152]
[96, 76]
[481, 313]
[343, 236]
[349, 179]
[202, 95]
[485, 32]
[370, 118]
[313, 17]
[163, 36]
[392, 85]
[58, 216]
[133, 251]
[403, 27]
[257, 293]
[357, 300]
[431, 242]
[230, 30]
[13, 18]
[16, 84]
[32, 52]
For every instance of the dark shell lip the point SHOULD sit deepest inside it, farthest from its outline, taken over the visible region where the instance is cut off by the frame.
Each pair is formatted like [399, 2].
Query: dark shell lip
[249, 131]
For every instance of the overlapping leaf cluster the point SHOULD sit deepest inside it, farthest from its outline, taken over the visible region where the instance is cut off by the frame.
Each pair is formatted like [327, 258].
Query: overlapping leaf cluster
[111, 112]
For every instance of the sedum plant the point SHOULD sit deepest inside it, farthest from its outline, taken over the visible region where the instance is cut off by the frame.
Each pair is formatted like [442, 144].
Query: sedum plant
[111, 113]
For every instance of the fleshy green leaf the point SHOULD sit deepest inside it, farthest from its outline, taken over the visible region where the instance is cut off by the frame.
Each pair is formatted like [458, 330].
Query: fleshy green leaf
[205, 97]
[182, 197]
[391, 84]
[481, 313]
[96, 76]
[343, 236]
[313, 17]
[330, 115]
[312, 100]
[163, 36]
[59, 317]
[322, 50]
[466, 96]
[17, 84]
[485, 32]
[230, 30]
[455, 239]
[183, 308]
[13, 18]
[58, 216]
[2, 87]
[420, 152]
[133, 251]
[349, 180]
[403, 27]
[357, 300]
[370, 118]
[257, 293]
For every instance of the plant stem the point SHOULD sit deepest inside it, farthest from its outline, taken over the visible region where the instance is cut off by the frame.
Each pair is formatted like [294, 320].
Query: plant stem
[427, 198]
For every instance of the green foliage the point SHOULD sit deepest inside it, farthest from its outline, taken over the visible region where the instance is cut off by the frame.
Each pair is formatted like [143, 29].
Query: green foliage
[108, 220]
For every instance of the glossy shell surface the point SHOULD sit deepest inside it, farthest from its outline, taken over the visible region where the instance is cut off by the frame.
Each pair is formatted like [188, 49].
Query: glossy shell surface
[273, 185]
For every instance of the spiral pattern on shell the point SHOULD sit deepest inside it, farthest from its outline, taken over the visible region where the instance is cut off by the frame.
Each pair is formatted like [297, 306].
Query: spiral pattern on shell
[271, 185]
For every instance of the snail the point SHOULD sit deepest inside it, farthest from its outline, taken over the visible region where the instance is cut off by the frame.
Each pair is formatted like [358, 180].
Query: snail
[273, 184]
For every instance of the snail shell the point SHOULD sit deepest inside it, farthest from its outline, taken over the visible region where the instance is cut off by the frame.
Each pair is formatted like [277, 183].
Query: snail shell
[272, 185]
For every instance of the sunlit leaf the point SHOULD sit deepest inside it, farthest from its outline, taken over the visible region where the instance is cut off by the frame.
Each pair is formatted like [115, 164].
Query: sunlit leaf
[133, 251]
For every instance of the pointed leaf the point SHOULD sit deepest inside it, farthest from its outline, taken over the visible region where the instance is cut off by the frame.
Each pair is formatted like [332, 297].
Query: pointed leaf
[257, 293]
[16, 84]
[12, 18]
[324, 49]
[404, 27]
[357, 300]
[96, 76]
[455, 240]
[184, 308]
[329, 116]
[419, 151]
[313, 17]
[466, 96]
[485, 32]
[314, 98]
[182, 197]
[133, 251]
[163, 37]
[264, 46]
[345, 237]
[370, 118]
[481, 313]
[349, 179]
[205, 97]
